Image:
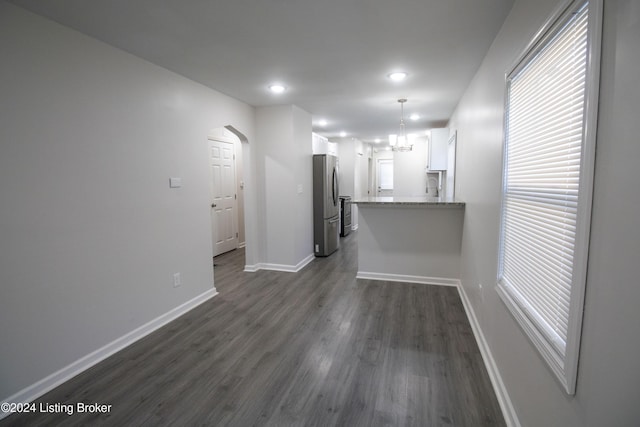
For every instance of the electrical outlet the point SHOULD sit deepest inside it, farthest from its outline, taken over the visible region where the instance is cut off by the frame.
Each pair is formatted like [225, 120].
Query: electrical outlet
[177, 280]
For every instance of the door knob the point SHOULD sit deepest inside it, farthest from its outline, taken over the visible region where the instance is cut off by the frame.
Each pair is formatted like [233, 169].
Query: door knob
[213, 205]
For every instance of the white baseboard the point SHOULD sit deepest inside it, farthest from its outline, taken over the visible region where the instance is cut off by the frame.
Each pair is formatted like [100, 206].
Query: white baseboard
[277, 267]
[442, 281]
[302, 264]
[509, 413]
[280, 267]
[47, 384]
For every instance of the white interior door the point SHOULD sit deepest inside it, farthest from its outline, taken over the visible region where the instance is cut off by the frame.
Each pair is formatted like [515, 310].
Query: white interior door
[223, 206]
[385, 177]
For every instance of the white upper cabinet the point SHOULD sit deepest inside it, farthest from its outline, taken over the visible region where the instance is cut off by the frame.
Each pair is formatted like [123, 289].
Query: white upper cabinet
[321, 145]
[438, 148]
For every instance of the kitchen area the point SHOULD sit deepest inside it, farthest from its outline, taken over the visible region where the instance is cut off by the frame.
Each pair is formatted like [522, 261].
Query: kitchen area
[403, 205]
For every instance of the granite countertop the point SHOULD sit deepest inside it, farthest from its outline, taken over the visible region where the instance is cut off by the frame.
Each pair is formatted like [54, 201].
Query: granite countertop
[409, 201]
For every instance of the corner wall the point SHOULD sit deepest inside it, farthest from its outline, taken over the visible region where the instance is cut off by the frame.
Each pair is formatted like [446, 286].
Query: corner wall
[284, 160]
[91, 232]
[353, 158]
[608, 376]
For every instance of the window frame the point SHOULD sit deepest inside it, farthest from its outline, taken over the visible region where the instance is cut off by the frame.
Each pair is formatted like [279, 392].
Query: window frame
[565, 368]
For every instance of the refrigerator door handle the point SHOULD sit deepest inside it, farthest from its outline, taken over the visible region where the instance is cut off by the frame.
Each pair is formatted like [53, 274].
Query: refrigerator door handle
[331, 221]
[335, 187]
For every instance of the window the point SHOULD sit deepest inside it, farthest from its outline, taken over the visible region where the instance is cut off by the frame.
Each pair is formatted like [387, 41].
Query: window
[550, 119]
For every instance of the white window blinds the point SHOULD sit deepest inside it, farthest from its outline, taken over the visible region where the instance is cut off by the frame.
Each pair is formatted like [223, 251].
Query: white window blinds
[545, 129]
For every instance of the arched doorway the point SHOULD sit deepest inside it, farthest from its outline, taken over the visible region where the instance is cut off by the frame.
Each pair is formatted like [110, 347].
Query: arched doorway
[227, 190]
[243, 193]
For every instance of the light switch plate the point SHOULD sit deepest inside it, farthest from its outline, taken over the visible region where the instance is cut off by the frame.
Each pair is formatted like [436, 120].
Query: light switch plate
[175, 182]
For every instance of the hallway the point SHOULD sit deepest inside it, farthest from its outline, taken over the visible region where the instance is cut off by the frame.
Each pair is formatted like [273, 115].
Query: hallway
[314, 348]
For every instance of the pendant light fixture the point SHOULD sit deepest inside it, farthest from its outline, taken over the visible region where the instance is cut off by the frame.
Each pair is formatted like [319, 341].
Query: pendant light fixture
[401, 141]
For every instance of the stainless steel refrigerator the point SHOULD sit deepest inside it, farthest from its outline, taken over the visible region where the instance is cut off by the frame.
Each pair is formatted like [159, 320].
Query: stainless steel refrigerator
[326, 204]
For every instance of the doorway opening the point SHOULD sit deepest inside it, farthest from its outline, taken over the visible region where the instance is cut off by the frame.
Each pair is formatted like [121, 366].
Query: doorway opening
[227, 191]
[385, 177]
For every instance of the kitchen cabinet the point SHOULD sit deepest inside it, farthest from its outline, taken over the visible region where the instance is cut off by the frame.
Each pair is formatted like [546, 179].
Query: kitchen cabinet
[438, 148]
[321, 145]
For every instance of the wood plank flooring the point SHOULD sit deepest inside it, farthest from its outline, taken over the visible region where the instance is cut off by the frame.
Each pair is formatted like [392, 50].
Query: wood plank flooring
[314, 348]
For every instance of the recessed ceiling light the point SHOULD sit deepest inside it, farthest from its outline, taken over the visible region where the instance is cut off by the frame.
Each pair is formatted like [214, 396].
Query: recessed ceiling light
[322, 122]
[277, 88]
[377, 140]
[414, 117]
[398, 76]
[343, 134]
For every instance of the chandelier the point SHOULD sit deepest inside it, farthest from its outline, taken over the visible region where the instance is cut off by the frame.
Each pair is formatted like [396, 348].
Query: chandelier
[401, 141]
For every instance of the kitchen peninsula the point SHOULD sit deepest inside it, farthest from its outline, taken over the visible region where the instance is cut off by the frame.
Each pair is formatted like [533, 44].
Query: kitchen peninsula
[410, 239]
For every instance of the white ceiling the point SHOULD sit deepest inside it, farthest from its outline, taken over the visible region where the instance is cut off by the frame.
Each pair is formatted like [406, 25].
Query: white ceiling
[333, 55]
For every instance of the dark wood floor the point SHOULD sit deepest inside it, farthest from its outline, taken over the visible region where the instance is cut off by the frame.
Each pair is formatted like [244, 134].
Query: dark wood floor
[314, 348]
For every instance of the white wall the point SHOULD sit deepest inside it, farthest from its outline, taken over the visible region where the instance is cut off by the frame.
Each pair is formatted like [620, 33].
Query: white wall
[353, 156]
[360, 179]
[409, 170]
[285, 163]
[91, 231]
[303, 170]
[608, 376]
[347, 165]
[240, 184]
